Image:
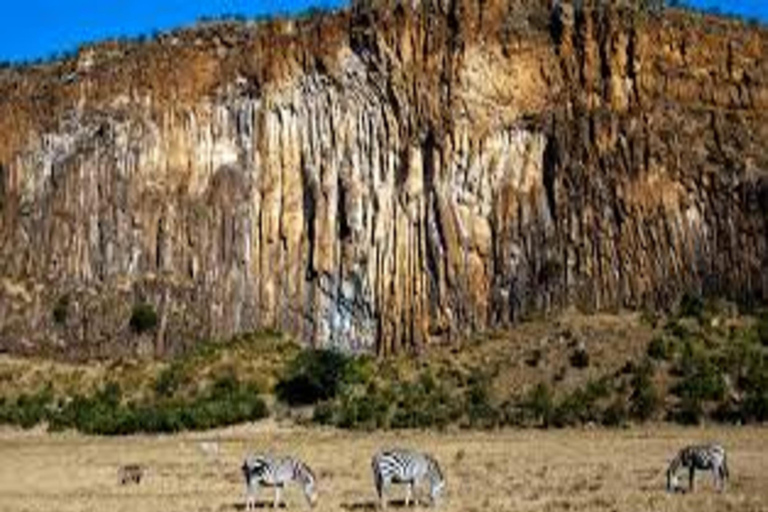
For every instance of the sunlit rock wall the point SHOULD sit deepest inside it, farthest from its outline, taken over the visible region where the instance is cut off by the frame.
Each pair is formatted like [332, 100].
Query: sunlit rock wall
[380, 179]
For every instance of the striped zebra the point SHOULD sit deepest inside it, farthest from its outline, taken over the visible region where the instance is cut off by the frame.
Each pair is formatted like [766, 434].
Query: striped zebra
[706, 457]
[408, 467]
[268, 471]
[130, 473]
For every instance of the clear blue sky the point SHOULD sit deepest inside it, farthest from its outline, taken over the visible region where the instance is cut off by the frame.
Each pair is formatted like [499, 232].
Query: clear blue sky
[30, 29]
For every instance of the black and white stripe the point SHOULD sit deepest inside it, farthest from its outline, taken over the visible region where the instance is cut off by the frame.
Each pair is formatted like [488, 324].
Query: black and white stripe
[269, 471]
[706, 457]
[408, 467]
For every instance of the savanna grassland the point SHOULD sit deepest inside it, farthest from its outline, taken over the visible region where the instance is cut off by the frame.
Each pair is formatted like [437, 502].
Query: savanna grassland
[603, 397]
[521, 470]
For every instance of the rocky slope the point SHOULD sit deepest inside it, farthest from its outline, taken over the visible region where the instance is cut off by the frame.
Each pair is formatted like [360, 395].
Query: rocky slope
[381, 178]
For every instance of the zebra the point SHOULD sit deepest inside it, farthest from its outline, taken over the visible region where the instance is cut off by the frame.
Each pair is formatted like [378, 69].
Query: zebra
[704, 457]
[409, 467]
[130, 473]
[266, 470]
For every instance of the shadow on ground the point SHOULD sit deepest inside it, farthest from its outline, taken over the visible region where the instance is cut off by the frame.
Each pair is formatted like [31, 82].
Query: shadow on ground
[361, 506]
[260, 505]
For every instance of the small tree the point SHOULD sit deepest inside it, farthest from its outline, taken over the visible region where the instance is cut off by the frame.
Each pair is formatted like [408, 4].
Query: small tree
[143, 318]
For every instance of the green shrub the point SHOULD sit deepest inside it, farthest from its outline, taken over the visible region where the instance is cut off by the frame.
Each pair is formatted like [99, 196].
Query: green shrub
[170, 380]
[700, 378]
[539, 405]
[755, 387]
[581, 405]
[761, 328]
[366, 409]
[688, 412]
[423, 403]
[143, 318]
[480, 410]
[644, 399]
[676, 330]
[324, 413]
[314, 376]
[61, 310]
[29, 410]
[649, 317]
[658, 349]
[616, 414]
[226, 402]
[700, 381]
[691, 306]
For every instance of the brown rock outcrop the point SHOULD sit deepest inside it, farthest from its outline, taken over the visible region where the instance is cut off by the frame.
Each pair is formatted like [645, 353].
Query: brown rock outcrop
[381, 178]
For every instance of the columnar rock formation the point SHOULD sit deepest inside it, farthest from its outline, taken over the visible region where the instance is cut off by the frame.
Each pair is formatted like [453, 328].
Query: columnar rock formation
[381, 178]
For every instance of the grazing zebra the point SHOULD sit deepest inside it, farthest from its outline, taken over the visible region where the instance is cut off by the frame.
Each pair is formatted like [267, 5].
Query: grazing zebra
[266, 470]
[704, 457]
[130, 473]
[408, 467]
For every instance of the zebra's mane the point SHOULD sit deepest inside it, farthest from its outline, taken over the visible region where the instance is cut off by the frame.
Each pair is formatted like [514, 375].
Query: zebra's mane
[435, 466]
[305, 469]
[675, 462]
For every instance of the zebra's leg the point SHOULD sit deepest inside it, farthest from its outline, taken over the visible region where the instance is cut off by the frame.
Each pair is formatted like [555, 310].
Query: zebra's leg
[381, 487]
[691, 474]
[278, 491]
[250, 496]
[408, 493]
[719, 477]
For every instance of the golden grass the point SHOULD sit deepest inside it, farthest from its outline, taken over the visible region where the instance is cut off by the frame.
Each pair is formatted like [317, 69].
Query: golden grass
[529, 470]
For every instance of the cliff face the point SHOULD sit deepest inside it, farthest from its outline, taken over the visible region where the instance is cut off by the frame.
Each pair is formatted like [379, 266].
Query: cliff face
[381, 178]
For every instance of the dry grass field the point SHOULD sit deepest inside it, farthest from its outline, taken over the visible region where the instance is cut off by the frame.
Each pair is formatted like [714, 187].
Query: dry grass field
[520, 470]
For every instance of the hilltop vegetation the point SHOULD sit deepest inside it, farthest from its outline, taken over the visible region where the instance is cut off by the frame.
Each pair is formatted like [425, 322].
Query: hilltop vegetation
[704, 362]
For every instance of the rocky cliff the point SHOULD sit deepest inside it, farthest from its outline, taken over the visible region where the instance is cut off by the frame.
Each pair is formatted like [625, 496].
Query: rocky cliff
[381, 178]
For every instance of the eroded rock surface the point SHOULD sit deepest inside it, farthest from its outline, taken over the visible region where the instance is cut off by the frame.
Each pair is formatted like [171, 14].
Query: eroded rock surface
[382, 178]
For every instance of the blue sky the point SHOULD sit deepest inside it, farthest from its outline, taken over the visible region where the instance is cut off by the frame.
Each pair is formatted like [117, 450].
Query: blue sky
[31, 29]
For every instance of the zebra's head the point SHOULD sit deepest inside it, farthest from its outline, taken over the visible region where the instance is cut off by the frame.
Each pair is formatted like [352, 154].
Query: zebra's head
[252, 465]
[674, 465]
[437, 480]
[309, 482]
[672, 483]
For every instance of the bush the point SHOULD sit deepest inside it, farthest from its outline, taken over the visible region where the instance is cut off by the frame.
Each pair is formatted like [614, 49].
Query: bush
[170, 380]
[616, 414]
[579, 358]
[700, 381]
[691, 305]
[61, 310]
[649, 317]
[324, 413]
[106, 413]
[423, 403]
[644, 399]
[27, 410]
[755, 386]
[539, 406]
[143, 318]
[676, 330]
[366, 409]
[658, 349]
[581, 405]
[480, 410]
[700, 377]
[762, 329]
[314, 376]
